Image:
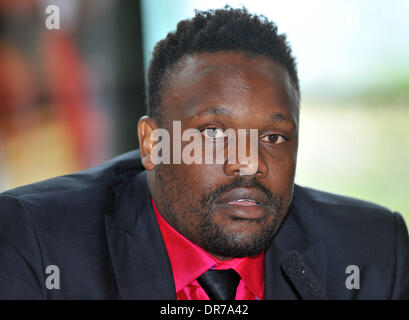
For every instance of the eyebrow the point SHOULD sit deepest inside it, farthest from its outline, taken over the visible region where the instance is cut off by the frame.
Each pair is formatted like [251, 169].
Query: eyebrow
[280, 117]
[218, 110]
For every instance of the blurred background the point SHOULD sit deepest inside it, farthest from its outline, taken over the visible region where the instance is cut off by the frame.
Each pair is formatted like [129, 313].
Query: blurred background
[71, 98]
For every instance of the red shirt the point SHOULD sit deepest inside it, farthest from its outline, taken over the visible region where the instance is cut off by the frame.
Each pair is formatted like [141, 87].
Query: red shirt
[189, 261]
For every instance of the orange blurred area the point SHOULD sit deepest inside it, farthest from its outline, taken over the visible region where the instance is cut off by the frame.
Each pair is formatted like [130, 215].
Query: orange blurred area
[9, 5]
[49, 122]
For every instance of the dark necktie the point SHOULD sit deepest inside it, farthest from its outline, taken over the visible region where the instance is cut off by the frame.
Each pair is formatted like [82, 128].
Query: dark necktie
[220, 284]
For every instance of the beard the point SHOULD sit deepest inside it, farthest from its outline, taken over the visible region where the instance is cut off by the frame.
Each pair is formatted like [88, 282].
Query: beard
[210, 235]
[229, 244]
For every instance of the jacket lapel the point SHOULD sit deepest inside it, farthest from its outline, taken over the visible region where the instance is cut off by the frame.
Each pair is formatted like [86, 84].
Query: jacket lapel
[139, 257]
[293, 237]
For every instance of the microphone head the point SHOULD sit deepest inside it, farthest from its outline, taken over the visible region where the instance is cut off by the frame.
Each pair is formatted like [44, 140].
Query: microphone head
[302, 279]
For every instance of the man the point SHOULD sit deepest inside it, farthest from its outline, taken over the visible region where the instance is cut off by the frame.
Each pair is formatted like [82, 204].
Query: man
[138, 228]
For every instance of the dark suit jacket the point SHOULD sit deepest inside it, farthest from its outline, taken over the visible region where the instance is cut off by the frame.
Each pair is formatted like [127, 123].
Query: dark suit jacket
[99, 228]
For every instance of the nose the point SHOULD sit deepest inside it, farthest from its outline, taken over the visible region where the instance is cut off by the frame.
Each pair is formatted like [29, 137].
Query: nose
[244, 156]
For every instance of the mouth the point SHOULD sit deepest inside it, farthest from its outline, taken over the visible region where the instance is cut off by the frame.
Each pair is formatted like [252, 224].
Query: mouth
[247, 197]
[244, 204]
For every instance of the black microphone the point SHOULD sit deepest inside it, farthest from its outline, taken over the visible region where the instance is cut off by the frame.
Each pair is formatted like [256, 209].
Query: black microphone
[300, 276]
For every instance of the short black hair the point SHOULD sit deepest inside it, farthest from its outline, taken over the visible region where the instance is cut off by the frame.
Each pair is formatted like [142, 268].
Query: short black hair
[225, 29]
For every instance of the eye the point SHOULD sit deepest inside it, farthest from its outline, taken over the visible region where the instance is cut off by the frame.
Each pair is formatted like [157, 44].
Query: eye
[274, 138]
[213, 133]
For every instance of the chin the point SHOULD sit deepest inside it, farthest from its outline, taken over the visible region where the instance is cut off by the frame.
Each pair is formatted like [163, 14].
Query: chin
[236, 244]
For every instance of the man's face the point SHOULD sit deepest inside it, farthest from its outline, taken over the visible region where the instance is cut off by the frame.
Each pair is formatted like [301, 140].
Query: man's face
[227, 213]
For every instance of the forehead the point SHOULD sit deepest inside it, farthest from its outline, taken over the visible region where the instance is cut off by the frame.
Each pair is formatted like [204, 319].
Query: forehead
[230, 80]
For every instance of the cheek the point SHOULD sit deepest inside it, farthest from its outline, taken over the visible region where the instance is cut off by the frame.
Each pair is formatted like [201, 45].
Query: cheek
[281, 172]
[201, 176]
[190, 182]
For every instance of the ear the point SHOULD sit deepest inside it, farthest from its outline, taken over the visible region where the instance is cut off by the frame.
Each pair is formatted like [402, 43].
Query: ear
[146, 126]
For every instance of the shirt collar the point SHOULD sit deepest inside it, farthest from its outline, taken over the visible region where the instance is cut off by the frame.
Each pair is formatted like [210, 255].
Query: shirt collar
[189, 261]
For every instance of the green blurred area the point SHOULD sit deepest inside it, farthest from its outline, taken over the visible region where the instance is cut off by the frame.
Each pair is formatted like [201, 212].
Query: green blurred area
[356, 142]
[359, 146]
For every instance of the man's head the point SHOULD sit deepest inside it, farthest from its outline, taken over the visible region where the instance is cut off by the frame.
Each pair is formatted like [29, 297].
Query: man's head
[224, 69]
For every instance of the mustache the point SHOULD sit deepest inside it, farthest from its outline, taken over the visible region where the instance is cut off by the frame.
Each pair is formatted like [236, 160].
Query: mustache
[240, 182]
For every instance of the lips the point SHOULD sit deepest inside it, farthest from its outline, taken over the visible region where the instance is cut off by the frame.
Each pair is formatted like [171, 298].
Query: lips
[244, 197]
[245, 204]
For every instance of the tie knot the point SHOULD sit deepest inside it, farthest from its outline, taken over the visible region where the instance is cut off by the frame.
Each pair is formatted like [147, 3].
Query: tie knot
[220, 284]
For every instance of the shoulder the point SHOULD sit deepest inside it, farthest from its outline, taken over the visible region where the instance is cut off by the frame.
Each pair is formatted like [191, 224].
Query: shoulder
[85, 193]
[336, 206]
[350, 226]
[115, 170]
[61, 221]
[348, 222]
[359, 233]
